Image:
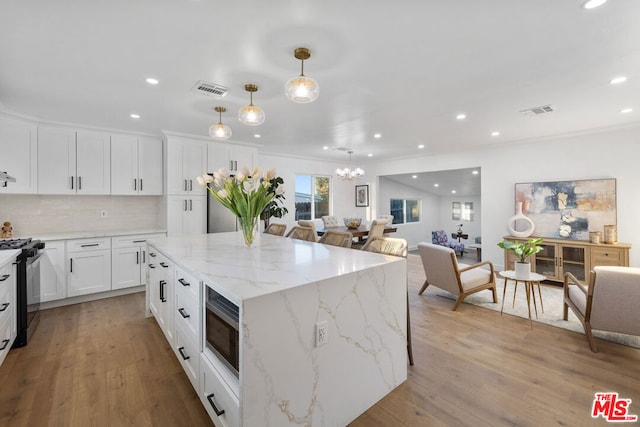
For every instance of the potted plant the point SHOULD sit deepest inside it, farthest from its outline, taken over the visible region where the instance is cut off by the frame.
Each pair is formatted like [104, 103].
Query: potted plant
[522, 250]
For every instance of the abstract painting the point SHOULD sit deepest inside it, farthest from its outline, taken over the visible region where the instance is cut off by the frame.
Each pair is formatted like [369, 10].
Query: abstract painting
[568, 209]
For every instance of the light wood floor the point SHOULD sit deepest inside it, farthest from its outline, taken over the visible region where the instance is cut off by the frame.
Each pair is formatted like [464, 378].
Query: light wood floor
[104, 364]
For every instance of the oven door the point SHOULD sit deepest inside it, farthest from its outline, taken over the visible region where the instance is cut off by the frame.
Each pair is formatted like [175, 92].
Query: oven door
[222, 337]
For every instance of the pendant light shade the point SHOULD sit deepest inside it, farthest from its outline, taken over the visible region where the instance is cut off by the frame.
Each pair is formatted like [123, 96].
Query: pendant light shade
[251, 115]
[302, 89]
[220, 131]
[348, 174]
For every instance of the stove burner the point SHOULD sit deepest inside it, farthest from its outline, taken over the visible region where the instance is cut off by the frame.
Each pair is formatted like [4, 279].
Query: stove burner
[13, 243]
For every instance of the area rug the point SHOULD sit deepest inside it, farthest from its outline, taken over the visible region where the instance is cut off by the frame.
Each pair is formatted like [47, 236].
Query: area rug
[552, 315]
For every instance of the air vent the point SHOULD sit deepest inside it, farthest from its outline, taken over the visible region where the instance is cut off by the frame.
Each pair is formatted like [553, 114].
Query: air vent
[209, 89]
[538, 110]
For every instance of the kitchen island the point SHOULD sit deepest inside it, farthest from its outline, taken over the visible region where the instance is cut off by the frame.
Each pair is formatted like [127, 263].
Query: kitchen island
[285, 290]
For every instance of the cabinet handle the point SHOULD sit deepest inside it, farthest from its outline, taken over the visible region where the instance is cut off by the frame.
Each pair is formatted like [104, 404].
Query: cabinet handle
[4, 344]
[139, 241]
[163, 265]
[89, 245]
[137, 257]
[135, 184]
[183, 313]
[215, 408]
[184, 282]
[162, 298]
[140, 184]
[235, 165]
[185, 204]
[184, 356]
[231, 165]
[152, 266]
[185, 185]
[72, 183]
[190, 204]
[152, 254]
[190, 185]
[4, 277]
[144, 256]
[79, 183]
[6, 304]
[71, 265]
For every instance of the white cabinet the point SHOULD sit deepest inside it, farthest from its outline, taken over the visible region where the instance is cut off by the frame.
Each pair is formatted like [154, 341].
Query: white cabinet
[128, 260]
[73, 162]
[186, 215]
[53, 275]
[136, 165]
[230, 157]
[160, 291]
[218, 399]
[186, 160]
[89, 262]
[8, 317]
[18, 155]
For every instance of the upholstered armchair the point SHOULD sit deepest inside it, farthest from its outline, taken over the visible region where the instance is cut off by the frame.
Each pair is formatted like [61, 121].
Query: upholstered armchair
[443, 271]
[330, 221]
[439, 237]
[276, 229]
[608, 303]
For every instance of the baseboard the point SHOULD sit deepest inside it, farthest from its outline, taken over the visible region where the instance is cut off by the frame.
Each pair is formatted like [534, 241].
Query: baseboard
[91, 297]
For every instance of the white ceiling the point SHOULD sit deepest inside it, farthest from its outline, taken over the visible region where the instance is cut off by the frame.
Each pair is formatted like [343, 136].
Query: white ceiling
[464, 182]
[403, 69]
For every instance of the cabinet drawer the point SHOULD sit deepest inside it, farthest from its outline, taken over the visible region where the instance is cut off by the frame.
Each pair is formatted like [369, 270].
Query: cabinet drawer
[6, 337]
[129, 241]
[88, 244]
[187, 285]
[606, 256]
[5, 291]
[216, 396]
[188, 314]
[187, 353]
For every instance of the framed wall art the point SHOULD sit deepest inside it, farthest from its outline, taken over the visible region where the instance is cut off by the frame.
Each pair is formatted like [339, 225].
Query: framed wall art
[362, 195]
[568, 209]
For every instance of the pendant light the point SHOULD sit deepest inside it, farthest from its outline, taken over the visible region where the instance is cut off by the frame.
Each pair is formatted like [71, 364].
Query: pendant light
[220, 131]
[347, 174]
[302, 89]
[251, 115]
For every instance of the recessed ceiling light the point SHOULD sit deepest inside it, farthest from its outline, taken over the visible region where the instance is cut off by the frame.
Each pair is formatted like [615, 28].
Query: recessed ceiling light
[436, 185]
[453, 191]
[134, 116]
[618, 80]
[257, 135]
[152, 81]
[414, 176]
[421, 146]
[495, 133]
[626, 110]
[461, 116]
[370, 155]
[475, 172]
[377, 135]
[592, 4]
[326, 147]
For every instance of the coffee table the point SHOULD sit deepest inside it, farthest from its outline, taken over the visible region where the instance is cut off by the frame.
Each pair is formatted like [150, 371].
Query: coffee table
[529, 282]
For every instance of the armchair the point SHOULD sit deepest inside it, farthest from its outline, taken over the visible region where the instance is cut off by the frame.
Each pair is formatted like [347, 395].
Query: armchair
[439, 237]
[608, 303]
[442, 270]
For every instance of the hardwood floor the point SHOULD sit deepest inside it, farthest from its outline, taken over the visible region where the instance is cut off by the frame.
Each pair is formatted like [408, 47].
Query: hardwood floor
[104, 364]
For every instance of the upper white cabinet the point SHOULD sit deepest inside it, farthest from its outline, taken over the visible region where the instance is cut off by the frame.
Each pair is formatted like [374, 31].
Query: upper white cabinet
[230, 157]
[136, 165]
[18, 155]
[186, 160]
[73, 162]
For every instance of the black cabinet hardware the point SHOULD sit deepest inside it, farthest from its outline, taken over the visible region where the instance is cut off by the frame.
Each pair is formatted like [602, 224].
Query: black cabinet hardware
[4, 277]
[4, 306]
[215, 408]
[183, 313]
[4, 344]
[184, 282]
[184, 356]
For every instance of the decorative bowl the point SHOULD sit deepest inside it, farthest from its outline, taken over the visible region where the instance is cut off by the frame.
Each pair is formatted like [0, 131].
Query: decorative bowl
[352, 223]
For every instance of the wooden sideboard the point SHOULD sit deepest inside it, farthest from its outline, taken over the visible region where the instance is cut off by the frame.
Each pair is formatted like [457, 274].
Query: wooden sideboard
[575, 256]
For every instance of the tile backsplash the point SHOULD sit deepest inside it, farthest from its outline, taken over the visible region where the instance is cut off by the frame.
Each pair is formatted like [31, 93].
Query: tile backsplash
[39, 214]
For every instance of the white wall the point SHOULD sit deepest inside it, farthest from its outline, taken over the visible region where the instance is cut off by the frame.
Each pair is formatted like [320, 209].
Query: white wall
[611, 154]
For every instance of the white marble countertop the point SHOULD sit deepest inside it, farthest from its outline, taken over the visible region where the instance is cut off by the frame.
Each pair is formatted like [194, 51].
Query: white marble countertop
[7, 255]
[86, 234]
[274, 264]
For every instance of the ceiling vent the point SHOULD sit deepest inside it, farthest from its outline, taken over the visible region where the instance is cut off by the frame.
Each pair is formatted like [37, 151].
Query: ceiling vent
[538, 110]
[210, 89]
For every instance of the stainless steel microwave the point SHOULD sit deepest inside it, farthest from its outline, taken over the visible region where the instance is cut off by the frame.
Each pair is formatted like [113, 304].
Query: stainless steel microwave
[222, 329]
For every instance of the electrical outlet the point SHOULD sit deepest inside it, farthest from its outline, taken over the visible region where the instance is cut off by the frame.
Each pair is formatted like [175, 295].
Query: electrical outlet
[322, 333]
[104, 214]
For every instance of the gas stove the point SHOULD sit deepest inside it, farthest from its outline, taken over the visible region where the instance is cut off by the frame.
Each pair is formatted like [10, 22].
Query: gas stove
[13, 243]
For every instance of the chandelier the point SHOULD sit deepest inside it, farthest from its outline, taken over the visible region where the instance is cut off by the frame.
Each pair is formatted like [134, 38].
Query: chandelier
[251, 115]
[220, 131]
[302, 89]
[348, 174]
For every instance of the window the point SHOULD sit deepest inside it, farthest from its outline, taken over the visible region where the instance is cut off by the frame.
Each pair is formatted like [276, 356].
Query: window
[313, 196]
[462, 211]
[405, 210]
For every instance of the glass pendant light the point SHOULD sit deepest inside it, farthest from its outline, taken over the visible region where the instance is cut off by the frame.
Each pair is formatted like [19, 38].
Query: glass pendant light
[220, 131]
[302, 89]
[347, 174]
[251, 115]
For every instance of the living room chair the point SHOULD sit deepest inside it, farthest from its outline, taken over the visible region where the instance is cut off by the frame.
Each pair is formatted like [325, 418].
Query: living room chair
[439, 237]
[443, 271]
[337, 238]
[302, 233]
[608, 303]
[396, 247]
[276, 229]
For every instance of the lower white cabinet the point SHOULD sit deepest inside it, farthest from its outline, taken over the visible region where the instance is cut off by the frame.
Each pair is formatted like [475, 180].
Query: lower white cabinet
[53, 274]
[161, 297]
[128, 260]
[89, 263]
[186, 215]
[8, 317]
[221, 404]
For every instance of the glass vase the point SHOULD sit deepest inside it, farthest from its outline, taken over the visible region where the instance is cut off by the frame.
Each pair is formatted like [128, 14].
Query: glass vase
[248, 226]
